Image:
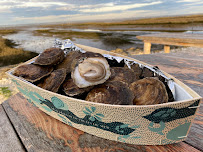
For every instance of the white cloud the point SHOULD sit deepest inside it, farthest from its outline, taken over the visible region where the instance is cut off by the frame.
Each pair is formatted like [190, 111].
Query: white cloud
[5, 10]
[191, 2]
[117, 7]
[24, 4]
[78, 7]
[87, 17]
[41, 4]
[111, 4]
[90, 12]
[5, 6]
[188, 1]
[189, 10]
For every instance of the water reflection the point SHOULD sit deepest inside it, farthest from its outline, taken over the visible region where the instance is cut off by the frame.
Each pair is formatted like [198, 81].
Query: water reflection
[111, 38]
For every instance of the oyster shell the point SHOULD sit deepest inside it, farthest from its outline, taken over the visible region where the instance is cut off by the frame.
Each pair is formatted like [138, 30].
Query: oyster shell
[123, 74]
[149, 91]
[67, 62]
[54, 81]
[136, 68]
[90, 69]
[32, 72]
[71, 89]
[115, 92]
[147, 73]
[51, 56]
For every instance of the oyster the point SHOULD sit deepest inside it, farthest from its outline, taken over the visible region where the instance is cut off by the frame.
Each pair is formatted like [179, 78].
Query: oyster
[149, 91]
[115, 92]
[54, 81]
[162, 79]
[123, 74]
[147, 73]
[71, 89]
[90, 69]
[67, 62]
[51, 56]
[31, 72]
[136, 68]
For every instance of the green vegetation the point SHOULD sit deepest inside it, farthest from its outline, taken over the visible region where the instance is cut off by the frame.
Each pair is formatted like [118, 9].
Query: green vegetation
[7, 31]
[5, 92]
[67, 34]
[10, 55]
[106, 38]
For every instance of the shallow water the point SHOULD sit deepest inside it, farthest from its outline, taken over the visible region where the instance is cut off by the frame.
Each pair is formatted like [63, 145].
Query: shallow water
[28, 42]
[109, 38]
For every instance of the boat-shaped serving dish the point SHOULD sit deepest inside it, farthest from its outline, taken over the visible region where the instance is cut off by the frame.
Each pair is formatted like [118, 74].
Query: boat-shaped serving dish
[158, 124]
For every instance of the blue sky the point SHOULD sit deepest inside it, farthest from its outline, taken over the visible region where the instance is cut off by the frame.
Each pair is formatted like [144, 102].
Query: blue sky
[43, 11]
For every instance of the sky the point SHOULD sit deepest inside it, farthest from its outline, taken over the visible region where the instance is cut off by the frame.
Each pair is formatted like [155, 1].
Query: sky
[14, 12]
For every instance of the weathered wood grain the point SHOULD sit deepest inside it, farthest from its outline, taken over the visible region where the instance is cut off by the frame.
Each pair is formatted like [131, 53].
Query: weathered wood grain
[189, 69]
[167, 39]
[147, 48]
[8, 138]
[175, 38]
[40, 132]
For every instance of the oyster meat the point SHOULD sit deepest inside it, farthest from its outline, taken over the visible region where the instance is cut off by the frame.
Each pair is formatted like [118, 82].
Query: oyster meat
[90, 69]
[149, 91]
[115, 92]
[32, 72]
[54, 81]
[93, 77]
[51, 56]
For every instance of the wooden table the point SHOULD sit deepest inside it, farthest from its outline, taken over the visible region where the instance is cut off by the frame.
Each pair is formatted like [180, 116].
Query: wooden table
[168, 39]
[25, 128]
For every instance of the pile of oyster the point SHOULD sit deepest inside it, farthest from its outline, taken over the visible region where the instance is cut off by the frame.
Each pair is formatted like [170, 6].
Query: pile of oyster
[92, 77]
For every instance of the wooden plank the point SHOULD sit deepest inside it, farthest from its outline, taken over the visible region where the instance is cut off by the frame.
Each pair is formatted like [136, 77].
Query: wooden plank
[166, 49]
[192, 38]
[147, 47]
[187, 36]
[8, 138]
[174, 39]
[188, 68]
[160, 41]
[40, 132]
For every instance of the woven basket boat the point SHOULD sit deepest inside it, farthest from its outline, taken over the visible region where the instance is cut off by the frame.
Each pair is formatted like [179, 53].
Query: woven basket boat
[158, 124]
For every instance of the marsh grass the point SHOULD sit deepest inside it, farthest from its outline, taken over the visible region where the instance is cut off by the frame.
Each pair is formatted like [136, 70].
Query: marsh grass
[155, 21]
[10, 55]
[106, 38]
[65, 34]
[8, 31]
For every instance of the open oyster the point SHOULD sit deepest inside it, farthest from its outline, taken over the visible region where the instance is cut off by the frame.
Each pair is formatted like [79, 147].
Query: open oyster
[54, 81]
[51, 56]
[123, 74]
[149, 91]
[31, 72]
[90, 69]
[71, 89]
[109, 79]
